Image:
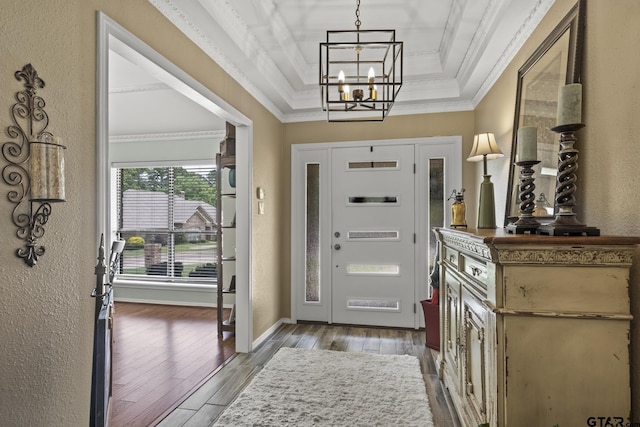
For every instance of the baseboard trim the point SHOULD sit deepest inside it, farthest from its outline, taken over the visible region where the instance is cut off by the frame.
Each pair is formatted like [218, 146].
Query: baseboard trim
[269, 332]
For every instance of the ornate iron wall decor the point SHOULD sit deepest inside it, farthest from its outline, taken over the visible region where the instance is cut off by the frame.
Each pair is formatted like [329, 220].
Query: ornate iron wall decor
[35, 168]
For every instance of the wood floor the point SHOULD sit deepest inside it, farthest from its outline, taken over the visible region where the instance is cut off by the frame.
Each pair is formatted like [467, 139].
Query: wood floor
[161, 354]
[207, 403]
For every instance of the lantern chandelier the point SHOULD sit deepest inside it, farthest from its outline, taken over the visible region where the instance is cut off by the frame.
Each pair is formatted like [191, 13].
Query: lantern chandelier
[349, 95]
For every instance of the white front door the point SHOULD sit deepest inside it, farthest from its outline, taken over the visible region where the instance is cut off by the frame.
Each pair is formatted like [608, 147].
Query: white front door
[373, 235]
[365, 198]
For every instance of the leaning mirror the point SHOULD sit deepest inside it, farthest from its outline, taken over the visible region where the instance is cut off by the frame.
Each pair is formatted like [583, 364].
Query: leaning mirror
[556, 62]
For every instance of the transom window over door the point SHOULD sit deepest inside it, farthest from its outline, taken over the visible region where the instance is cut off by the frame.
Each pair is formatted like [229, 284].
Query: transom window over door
[167, 217]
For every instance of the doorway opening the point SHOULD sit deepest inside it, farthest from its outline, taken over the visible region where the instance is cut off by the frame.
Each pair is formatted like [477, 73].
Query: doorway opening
[117, 45]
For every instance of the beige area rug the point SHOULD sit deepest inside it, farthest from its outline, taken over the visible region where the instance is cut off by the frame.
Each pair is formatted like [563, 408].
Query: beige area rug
[299, 387]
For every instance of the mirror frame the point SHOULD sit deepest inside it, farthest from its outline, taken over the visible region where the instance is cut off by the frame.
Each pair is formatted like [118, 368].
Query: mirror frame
[573, 23]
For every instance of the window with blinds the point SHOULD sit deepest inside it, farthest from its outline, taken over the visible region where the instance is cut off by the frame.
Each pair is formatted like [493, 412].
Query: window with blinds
[167, 217]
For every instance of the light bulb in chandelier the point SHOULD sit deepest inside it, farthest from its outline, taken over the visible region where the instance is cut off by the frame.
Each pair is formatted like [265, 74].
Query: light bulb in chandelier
[371, 77]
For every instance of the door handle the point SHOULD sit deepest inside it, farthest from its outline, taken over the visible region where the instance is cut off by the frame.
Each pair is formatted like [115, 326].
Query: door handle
[337, 246]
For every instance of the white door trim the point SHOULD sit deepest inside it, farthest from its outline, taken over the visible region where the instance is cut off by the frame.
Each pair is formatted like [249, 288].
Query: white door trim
[301, 151]
[111, 32]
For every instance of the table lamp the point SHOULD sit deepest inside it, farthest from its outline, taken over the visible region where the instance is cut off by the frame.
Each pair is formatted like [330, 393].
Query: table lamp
[485, 148]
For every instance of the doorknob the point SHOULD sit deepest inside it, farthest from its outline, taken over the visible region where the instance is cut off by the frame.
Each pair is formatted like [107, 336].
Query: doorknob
[336, 246]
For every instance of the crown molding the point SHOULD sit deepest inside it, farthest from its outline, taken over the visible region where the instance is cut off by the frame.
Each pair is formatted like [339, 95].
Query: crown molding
[174, 13]
[173, 136]
[515, 44]
[139, 88]
[398, 109]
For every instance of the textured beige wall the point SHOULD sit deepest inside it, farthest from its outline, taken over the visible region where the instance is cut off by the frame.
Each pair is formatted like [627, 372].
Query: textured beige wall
[45, 312]
[609, 149]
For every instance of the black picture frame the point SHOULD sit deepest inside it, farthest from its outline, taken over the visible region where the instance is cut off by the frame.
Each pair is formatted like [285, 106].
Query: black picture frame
[556, 62]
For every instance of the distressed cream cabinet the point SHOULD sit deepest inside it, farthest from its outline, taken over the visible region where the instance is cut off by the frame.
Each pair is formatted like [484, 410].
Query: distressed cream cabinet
[535, 329]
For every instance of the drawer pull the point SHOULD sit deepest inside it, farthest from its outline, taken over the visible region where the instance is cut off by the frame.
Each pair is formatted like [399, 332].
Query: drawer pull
[476, 271]
[452, 258]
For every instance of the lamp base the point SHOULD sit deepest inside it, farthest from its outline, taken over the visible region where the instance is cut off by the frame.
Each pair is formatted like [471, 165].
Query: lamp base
[487, 204]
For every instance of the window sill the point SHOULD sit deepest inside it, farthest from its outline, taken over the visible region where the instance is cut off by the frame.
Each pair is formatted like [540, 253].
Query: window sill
[162, 285]
[168, 293]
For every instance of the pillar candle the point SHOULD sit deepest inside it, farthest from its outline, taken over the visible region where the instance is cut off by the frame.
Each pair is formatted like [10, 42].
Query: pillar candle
[569, 104]
[527, 144]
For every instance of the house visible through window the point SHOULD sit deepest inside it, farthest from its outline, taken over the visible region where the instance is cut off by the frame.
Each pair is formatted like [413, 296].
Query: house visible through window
[167, 216]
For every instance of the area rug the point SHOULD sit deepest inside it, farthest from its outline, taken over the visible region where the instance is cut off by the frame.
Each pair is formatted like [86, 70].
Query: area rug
[299, 387]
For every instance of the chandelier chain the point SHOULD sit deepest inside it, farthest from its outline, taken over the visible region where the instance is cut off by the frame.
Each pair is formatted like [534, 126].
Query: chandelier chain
[358, 23]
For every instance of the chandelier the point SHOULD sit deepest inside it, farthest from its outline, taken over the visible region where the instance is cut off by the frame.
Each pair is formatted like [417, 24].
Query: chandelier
[360, 73]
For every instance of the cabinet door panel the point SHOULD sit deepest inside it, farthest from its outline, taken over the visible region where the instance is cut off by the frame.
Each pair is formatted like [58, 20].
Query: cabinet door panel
[474, 362]
[452, 327]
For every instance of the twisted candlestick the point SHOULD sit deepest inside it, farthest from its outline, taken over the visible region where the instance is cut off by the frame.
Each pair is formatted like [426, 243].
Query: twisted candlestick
[526, 222]
[565, 222]
[567, 167]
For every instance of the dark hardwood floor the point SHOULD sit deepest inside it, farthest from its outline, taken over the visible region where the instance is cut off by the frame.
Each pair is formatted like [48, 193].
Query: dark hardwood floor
[204, 406]
[162, 354]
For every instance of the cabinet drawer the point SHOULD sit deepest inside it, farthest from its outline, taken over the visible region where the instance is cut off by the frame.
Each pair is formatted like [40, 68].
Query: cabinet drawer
[451, 256]
[474, 269]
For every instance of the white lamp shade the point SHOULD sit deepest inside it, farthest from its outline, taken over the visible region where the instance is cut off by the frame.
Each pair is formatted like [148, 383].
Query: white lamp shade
[484, 144]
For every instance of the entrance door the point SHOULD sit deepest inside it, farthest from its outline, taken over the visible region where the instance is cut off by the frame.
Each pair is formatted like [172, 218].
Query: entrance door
[365, 198]
[373, 240]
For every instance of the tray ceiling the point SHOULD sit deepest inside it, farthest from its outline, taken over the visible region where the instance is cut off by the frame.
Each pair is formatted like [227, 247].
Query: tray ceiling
[454, 50]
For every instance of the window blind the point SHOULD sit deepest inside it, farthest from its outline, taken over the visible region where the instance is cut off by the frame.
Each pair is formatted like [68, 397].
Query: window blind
[167, 216]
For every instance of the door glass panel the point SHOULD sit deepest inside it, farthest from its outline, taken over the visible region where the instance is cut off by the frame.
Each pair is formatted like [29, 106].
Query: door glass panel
[436, 207]
[374, 269]
[373, 304]
[371, 235]
[393, 164]
[312, 214]
[373, 199]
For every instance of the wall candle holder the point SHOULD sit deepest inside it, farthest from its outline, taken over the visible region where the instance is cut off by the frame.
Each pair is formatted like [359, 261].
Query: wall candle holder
[35, 166]
[565, 222]
[526, 223]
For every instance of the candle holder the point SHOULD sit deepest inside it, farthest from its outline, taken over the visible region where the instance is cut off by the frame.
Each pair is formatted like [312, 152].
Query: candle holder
[35, 166]
[565, 222]
[526, 223]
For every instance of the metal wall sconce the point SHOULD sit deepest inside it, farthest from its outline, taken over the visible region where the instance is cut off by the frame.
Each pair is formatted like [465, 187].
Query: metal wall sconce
[36, 165]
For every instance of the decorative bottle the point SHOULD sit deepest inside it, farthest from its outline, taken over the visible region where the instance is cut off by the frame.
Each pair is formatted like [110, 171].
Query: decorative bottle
[458, 209]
